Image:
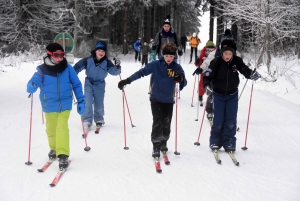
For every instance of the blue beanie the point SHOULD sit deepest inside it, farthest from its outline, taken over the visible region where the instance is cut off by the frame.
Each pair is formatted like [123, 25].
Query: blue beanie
[101, 45]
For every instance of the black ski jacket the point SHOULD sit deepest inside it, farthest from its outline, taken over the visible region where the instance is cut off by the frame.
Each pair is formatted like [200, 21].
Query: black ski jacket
[224, 76]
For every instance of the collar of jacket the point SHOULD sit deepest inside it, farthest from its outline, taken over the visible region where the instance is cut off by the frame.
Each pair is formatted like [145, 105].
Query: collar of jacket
[56, 68]
[165, 64]
[170, 33]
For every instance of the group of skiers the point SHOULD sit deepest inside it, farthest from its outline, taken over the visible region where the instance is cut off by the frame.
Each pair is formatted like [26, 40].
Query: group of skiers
[58, 80]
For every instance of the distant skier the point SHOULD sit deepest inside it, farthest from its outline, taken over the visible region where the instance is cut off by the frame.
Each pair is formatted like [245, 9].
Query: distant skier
[167, 35]
[165, 74]
[194, 42]
[145, 49]
[222, 73]
[57, 79]
[227, 35]
[137, 48]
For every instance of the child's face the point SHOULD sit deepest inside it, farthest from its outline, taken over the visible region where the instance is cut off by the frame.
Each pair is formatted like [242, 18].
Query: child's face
[227, 55]
[57, 56]
[168, 58]
[145, 43]
[100, 53]
[166, 27]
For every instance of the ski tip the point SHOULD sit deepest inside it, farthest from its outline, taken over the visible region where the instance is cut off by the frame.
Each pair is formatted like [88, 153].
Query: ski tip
[52, 185]
[40, 170]
[159, 171]
[167, 162]
[219, 162]
[96, 132]
[237, 164]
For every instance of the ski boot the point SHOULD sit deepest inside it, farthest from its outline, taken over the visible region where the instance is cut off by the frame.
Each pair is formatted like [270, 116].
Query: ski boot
[52, 155]
[63, 161]
[99, 124]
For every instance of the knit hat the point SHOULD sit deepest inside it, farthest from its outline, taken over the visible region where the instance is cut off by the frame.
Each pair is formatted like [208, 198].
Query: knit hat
[210, 44]
[101, 45]
[227, 32]
[52, 47]
[194, 34]
[228, 45]
[167, 20]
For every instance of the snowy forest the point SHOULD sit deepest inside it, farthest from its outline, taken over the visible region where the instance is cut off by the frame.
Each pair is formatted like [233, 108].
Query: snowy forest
[260, 27]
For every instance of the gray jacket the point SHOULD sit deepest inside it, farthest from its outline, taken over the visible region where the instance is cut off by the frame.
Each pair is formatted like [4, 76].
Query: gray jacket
[166, 39]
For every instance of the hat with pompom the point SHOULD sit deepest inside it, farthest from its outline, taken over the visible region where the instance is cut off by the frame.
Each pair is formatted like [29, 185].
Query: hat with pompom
[167, 20]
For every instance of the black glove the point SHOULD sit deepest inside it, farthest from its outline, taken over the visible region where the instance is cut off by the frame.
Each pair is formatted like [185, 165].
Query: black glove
[122, 83]
[254, 75]
[208, 90]
[197, 62]
[178, 77]
[117, 62]
[198, 71]
[180, 53]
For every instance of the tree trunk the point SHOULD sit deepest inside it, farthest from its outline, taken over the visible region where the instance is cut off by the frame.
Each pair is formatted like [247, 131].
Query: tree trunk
[268, 36]
[75, 32]
[211, 23]
[125, 48]
[220, 26]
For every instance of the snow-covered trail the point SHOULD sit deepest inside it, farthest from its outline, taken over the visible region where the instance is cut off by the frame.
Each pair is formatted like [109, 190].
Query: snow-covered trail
[269, 169]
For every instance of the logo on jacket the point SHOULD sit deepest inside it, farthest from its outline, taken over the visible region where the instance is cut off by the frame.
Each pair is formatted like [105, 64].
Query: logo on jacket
[171, 73]
[234, 68]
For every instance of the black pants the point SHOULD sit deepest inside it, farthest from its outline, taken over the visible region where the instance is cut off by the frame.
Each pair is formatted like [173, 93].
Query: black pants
[193, 48]
[145, 59]
[162, 117]
[137, 54]
[183, 47]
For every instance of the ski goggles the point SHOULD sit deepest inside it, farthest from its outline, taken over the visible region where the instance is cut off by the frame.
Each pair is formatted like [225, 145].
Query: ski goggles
[57, 54]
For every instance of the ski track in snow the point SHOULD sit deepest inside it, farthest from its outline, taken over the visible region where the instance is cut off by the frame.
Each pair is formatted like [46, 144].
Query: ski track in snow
[269, 169]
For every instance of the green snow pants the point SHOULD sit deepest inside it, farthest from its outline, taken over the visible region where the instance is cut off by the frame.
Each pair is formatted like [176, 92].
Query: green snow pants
[58, 131]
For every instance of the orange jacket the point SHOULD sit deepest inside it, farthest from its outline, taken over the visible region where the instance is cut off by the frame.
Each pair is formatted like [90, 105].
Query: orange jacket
[194, 41]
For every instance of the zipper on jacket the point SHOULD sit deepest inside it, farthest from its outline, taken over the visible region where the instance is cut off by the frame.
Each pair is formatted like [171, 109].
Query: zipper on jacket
[45, 99]
[58, 91]
[227, 80]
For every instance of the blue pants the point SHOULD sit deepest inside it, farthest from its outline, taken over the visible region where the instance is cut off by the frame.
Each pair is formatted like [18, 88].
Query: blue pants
[224, 123]
[94, 96]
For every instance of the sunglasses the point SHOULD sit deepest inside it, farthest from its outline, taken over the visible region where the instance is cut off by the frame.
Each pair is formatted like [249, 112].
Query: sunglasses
[56, 54]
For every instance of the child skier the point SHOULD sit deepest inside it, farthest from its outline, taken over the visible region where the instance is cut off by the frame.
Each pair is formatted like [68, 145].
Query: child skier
[165, 72]
[57, 79]
[96, 66]
[145, 49]
[222, 73]
[152, 56]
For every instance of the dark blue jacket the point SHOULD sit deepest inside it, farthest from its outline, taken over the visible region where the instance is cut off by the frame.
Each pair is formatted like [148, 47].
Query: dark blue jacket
[56, 88]
[162, 82]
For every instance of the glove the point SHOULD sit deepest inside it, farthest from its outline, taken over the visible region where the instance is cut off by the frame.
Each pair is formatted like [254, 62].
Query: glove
[197, 62]
[178, 77]
[31, 88]
[181, 85]
[180, 53]
[117, 62]
[122, 83]
[198, 71]
[208, 90]
[81, 107]
[254, 75]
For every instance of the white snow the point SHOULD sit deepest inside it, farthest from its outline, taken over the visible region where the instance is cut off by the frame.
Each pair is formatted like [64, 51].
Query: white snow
[269, 169]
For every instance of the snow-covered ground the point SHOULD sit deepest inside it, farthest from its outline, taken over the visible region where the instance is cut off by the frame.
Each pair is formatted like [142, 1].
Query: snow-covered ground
[269, 169]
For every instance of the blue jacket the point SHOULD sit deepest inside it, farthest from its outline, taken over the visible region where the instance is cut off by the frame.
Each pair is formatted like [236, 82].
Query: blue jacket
[137, 45]
[162, 82]
[56, 88]
[96, 73]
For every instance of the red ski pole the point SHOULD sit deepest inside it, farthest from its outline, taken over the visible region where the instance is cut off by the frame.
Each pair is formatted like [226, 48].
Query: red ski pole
[127, 106]
[123, 97]
[193, 93]
[244, 147]
[176, 92]
[29, 145]
[198, 143]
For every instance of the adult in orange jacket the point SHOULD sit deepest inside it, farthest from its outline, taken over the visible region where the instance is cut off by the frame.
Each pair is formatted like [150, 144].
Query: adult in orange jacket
[194, 42]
